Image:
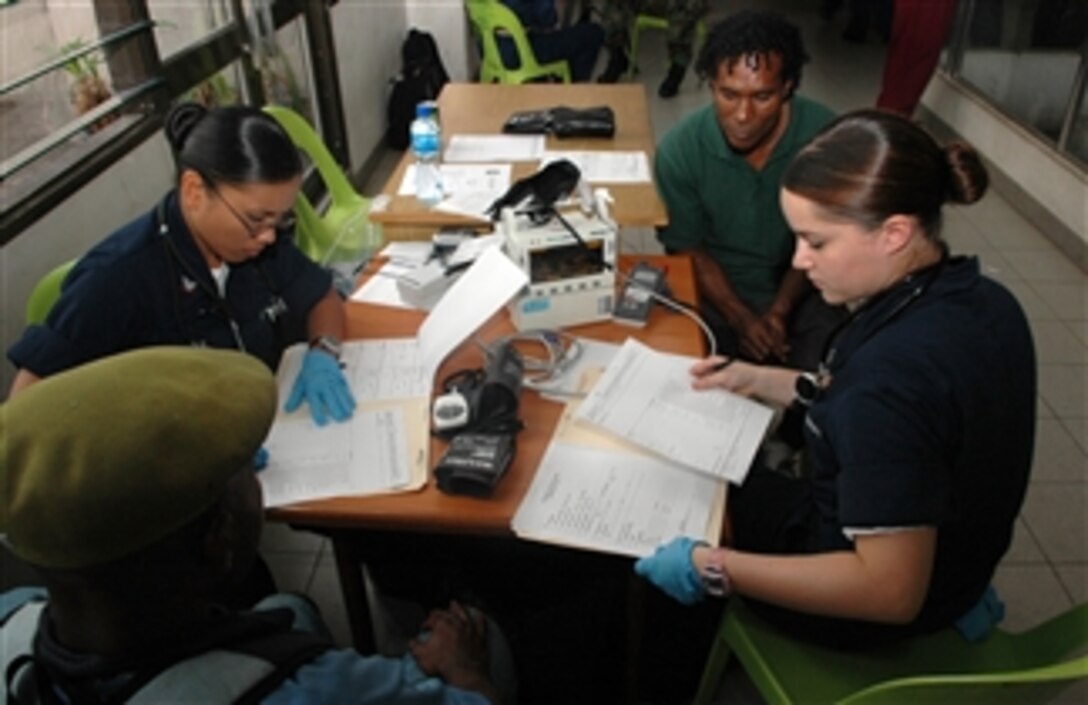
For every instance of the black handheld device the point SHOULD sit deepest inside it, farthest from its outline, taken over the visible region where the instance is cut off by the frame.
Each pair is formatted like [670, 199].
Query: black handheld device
[637, 298]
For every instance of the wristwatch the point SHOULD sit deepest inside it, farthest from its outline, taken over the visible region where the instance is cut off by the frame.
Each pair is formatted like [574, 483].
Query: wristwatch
[328, 344]
[715, 580]
[807, 388]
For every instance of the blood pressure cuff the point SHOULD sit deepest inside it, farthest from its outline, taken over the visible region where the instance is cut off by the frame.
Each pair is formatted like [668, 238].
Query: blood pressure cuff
[563, 121]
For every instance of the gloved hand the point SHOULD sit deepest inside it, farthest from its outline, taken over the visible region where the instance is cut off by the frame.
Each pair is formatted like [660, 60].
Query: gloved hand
[322, 384]
[260, 459]
[670, 568]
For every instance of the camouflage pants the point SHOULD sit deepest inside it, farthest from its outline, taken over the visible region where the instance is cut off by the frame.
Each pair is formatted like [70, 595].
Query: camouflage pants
[682, 15]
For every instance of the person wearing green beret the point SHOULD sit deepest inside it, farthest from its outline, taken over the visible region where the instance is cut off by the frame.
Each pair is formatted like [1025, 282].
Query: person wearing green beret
[212, 264]
[132, 560]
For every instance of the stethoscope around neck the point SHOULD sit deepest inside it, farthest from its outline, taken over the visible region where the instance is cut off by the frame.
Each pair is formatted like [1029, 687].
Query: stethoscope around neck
[271, 313]
[916, 283]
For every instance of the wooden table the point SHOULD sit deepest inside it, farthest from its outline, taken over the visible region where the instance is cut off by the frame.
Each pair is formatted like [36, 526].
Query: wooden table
[473, 108]
[352, 522]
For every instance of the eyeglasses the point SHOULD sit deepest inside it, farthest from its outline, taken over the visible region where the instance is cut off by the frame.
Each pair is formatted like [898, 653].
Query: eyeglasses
[286, 221]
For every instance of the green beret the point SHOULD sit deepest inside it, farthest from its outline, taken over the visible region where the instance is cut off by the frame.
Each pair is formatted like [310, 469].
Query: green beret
[107, 458]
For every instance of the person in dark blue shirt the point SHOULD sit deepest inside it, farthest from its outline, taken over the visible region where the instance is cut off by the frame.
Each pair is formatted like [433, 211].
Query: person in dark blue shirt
[919, 421]
[212, 264]
[578, 44]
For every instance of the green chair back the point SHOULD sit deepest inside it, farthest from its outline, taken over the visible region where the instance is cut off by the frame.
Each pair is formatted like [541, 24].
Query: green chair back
[46, 292]
[344, 232]
[941, 667]
[645, 21]
[490, 17]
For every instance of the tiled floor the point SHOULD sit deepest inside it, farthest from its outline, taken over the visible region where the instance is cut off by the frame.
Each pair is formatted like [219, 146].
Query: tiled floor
[1046, 571]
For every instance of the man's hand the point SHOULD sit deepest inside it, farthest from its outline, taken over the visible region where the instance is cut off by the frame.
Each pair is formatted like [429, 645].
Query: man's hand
[453, 646]
[763, 338]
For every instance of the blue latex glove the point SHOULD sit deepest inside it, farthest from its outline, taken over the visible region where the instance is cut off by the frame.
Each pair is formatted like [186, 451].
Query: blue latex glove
[260, 459]
[322, 384]
[670, 568]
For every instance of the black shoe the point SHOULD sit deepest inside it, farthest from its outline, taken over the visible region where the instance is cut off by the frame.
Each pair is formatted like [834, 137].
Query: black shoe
[671, 84]
[617, 66]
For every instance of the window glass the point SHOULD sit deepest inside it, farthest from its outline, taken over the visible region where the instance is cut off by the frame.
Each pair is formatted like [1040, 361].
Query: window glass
[224, 88]
[180, 24]
[283, 61]
[1078, 136]
[1024, 54]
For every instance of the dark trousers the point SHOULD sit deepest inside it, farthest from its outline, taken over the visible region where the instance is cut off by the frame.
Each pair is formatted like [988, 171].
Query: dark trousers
[919, 28]
[578, 45]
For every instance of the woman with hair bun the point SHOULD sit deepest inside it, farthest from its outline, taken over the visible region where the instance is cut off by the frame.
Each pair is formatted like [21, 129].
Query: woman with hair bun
[212, 264]
[919, 423]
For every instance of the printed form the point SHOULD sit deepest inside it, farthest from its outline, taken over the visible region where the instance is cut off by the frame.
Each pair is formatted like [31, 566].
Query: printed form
[645, 397]
[382, 448]
[596, 492]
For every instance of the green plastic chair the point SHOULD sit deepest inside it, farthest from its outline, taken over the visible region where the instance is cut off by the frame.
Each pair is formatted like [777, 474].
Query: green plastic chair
[938, 668]
[46, 292]
[344, 233]
[490, 17]
[645, 21]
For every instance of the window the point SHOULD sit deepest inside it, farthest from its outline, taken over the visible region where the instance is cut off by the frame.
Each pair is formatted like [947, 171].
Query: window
[1027, 59]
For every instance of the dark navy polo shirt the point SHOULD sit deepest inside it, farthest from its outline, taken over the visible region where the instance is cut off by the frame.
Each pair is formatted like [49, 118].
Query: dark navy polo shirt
[142, 286]
[929, 420]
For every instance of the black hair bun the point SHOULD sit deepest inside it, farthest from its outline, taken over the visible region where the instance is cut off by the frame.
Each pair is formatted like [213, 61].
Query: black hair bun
[180, 123]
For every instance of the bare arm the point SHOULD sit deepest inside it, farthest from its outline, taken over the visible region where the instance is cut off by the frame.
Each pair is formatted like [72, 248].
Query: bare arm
[774, 385]
[884, 579]
[23, 379]
[718, 290]
[327, 317]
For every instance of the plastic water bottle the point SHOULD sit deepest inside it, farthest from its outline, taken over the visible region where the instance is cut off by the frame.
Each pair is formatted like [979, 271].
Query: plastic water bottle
[427, 147]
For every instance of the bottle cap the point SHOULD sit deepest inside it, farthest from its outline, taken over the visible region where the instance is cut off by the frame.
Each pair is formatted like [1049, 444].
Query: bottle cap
[426, 109]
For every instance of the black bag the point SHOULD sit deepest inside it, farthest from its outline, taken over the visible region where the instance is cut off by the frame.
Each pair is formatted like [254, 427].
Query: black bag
[421, 77]
[562, 121]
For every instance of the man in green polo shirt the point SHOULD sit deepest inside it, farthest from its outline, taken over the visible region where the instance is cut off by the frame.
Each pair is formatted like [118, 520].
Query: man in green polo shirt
[719, 170]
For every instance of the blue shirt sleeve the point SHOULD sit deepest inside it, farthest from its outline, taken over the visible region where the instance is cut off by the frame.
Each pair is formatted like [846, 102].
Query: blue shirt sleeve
[343, 677]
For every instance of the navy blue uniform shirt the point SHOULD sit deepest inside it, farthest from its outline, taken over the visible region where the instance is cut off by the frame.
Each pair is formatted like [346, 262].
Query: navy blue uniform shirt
[142, 286]
[929, 420]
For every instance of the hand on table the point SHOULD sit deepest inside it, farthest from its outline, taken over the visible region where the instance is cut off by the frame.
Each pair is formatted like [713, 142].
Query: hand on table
[321, 383]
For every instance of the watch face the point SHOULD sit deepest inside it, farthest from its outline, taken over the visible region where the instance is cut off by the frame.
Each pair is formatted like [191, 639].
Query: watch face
[807, 388]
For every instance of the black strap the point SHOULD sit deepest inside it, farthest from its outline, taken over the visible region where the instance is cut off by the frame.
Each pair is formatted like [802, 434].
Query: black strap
[265, 635]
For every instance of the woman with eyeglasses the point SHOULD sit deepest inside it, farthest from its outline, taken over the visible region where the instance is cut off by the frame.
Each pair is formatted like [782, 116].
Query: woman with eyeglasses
[212, 264]
[919, 423]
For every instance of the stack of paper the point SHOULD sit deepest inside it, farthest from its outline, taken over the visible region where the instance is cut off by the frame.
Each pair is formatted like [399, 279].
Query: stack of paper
[383, 448]
[642, 459]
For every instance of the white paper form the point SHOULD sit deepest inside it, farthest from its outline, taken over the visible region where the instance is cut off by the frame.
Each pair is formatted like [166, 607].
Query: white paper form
[613, 502]
[381, 287]
[367, 454]
[486, 286]
[408, 253]
[463, 178]
[494, 148]
[645, 397]
[605, 167]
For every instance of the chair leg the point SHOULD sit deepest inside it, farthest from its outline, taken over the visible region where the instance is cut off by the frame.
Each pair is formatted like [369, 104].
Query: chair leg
[632, 52]
[712, 673]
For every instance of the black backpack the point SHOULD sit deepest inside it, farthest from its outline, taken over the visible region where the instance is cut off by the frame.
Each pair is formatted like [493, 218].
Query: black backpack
[421, 78]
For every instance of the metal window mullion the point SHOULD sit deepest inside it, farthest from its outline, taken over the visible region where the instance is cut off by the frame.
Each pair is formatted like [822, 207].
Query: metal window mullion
[59, 62]
[1069, 120]
[55, 139]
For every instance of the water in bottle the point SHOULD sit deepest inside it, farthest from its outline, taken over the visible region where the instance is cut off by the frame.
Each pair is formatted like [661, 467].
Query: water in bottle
[427, 147]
